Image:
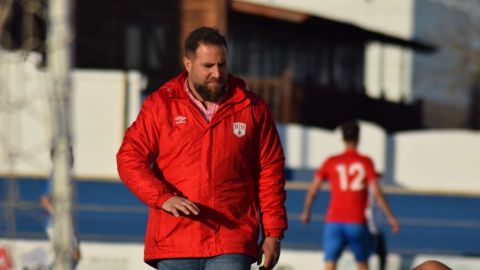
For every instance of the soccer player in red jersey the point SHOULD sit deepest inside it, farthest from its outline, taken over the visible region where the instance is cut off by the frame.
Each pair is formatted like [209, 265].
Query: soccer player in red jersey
[350, 175]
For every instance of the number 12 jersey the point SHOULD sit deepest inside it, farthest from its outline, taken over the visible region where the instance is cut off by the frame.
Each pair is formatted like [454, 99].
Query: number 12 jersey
[349, 175]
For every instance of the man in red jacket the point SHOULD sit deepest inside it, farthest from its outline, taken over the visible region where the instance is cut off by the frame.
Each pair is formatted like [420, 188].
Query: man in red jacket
[205, 156]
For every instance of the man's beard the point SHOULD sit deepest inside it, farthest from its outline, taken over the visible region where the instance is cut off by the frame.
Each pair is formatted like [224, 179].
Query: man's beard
[211, 94]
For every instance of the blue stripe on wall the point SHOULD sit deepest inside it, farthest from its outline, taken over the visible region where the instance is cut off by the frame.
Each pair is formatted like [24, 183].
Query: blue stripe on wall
[107, 211]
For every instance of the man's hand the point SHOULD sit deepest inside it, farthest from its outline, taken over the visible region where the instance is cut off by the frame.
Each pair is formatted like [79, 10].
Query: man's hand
[179, 205]
[270, 247]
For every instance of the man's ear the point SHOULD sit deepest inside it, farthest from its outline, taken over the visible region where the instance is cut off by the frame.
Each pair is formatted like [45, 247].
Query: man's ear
[187, 63]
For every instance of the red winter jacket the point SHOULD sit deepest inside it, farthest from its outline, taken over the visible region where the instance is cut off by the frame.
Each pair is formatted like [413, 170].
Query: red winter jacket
[231, 167]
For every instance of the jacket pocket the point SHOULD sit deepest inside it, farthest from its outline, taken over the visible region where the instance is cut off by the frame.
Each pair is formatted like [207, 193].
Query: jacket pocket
[245, 223]
[169, 227]
[242, 213]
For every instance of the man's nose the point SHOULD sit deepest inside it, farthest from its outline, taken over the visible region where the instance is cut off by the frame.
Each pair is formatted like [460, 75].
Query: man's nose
[216, 72]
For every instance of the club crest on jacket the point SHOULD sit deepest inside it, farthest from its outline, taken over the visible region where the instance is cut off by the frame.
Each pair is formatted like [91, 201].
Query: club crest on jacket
[239, 129]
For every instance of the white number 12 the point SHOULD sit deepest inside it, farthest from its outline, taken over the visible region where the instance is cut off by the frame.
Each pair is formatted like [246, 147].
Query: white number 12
[355, 170]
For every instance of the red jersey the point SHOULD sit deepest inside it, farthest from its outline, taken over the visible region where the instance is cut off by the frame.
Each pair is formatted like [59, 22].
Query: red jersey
[349, 175]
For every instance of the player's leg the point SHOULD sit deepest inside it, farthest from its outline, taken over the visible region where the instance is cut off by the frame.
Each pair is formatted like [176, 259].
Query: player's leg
[330, 265]
[76, 256]
[49, 232]
[229, 262]
[358, 239]
[432, 265]
[333, 244]
[381, 250]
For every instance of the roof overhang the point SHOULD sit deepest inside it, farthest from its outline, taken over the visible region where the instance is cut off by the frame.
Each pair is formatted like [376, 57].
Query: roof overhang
[301, 17]
[270, 12]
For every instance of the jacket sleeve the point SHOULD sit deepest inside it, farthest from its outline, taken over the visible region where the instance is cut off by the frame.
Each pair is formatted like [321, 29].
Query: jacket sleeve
[137, 154]
[271, 183]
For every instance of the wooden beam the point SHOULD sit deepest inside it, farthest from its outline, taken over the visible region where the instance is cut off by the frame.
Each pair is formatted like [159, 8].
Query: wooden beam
[196, 13]
[271, 12]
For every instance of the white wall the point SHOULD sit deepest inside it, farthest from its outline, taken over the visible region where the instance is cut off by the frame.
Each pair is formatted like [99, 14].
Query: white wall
[29, 255]
[445, 160]
[435, 160]
[100, 118]
[104, 103]
[37, 254]
[390, 17]
[25, 117]
[307, 148]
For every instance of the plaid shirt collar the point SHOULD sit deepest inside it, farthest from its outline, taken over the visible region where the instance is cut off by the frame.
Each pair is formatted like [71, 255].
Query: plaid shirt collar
[207, 108]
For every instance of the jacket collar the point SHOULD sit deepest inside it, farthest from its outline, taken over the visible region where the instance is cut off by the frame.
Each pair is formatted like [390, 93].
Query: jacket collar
[235, 93]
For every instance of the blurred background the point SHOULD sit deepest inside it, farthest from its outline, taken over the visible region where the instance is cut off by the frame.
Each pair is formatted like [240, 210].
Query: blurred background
[409, 70]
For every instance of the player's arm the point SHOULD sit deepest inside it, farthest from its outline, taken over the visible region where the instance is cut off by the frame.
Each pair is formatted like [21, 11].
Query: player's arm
[46, 204]
[383, 204]
[310, 198]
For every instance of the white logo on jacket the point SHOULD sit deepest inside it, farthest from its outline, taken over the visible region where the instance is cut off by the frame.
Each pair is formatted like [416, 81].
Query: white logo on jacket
[239, 129]
[180, 119]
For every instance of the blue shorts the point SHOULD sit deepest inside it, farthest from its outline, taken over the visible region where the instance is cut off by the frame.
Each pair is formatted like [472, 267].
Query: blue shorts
[337, 236]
